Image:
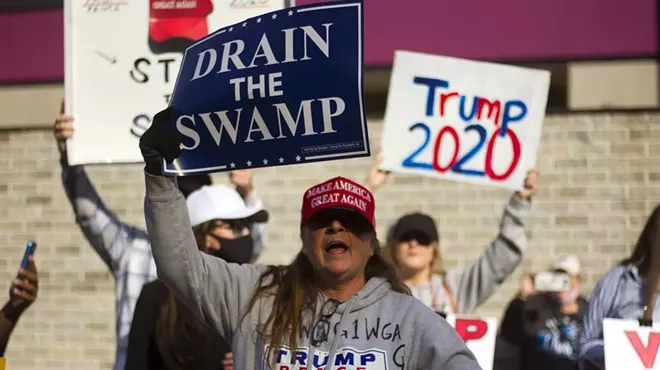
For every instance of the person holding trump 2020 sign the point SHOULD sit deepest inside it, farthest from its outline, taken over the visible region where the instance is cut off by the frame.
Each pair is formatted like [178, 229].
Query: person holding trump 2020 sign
[338, 304]
[413, 245]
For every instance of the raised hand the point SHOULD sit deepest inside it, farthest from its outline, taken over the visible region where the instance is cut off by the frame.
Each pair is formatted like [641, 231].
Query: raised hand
[531, 185]
[159, 142]
[63, 130]
[243, 180]
[26, 289]
[376, 177]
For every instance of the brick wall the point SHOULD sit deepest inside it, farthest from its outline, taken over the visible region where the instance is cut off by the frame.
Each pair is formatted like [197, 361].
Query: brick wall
[600, 178]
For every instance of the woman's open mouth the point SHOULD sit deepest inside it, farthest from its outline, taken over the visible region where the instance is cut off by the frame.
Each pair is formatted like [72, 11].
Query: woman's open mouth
[336, 247]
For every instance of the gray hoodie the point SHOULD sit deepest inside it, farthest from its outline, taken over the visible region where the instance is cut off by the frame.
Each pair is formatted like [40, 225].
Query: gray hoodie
[376, 329]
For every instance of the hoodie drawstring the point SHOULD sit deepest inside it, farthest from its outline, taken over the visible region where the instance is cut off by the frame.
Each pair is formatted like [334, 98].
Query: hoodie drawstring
[333, 346]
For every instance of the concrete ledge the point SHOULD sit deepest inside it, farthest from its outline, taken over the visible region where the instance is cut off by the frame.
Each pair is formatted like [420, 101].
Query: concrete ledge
[30, 106]
[613, 85]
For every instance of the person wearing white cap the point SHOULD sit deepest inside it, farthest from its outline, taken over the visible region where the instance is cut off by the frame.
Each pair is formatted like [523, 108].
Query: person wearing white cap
[165, 334]
[540, 329]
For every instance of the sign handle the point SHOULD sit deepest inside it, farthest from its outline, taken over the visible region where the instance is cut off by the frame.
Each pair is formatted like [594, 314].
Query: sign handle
[643, 321]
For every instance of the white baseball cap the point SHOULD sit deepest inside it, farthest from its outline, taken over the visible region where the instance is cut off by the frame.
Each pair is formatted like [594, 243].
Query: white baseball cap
[569, 263]
[221, 202]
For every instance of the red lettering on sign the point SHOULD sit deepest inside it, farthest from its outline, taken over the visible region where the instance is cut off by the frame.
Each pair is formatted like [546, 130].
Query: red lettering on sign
[282, 367]
[646, 354]
[471, 329]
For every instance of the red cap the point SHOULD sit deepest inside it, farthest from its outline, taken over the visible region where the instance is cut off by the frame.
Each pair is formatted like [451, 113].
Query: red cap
[339, 192]
[178, 18]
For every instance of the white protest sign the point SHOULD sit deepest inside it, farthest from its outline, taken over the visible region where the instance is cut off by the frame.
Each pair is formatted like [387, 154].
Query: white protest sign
[463, 120]
[630, 346]
[479, 335]
[121, 62]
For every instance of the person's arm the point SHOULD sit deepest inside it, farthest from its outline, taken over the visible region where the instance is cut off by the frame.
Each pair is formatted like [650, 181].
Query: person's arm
[143, 328]
[216, 291]
[244, 182]
[438, 346]
[103, 230]
[257, 230]
[476, 283]
[592, 347]
[21, 297]
[8, 318]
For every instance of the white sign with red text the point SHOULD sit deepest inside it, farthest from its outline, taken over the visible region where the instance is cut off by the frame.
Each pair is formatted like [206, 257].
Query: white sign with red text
[479, 335]
[630, 346]
[122, 59]
[463, 120]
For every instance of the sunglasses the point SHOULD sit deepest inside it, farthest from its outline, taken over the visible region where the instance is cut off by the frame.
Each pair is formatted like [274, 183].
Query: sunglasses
[348, 218]
[236, 226]
[322, 326]
[421, 238]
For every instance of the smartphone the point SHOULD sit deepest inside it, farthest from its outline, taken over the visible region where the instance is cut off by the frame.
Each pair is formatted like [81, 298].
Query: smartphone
[547, 281]
[30, 248]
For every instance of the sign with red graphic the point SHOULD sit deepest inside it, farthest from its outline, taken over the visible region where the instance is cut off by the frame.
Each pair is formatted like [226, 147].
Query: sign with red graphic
[122, 59]
[479, 336]
[630, 346]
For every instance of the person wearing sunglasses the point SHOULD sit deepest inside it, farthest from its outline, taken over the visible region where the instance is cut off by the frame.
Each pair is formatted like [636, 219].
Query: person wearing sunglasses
[165, 334]
[337, 305]
[413, 245]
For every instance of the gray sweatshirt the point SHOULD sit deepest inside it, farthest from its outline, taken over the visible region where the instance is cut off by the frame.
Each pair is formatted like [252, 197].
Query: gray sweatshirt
[469, 287]
[376, 329]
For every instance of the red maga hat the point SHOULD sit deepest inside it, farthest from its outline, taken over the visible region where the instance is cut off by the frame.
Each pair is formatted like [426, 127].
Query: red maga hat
[339, 192]
[179, 18]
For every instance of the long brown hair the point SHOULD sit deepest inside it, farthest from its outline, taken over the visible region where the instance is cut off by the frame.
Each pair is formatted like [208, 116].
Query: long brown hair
[646, 256]
[295, 295]
[181, 337]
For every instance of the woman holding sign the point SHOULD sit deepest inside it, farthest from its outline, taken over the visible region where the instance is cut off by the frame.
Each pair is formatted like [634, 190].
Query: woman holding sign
[337, 305]
[413, 245]
[629, 291]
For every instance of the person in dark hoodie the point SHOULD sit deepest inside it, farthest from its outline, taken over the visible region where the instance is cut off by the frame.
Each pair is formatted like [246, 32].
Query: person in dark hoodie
[338, 305]
[540, 330]
[165, 334]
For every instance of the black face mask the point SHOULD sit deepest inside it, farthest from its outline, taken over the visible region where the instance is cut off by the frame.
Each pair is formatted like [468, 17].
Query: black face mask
[237, 250]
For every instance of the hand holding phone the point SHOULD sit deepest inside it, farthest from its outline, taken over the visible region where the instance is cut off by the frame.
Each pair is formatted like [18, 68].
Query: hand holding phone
[30, 248]
[547, 281]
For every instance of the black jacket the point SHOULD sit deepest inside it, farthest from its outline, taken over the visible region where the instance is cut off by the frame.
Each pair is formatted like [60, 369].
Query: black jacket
[143, 352]
[535, 334]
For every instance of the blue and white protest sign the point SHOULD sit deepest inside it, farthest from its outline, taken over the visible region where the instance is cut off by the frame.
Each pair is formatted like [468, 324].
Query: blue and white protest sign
[278, 89]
